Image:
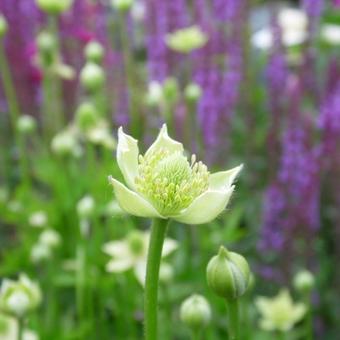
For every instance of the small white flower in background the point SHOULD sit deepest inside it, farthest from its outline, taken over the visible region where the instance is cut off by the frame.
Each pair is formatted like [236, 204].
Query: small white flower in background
[14, 206]
[131, 253]
[112, 208]
[100, 134]
[154, 96]
[19, 297]
[185, 40]
[166, 272]
[164, 184]
[330, 33]
[38, 219]
[279, 313]
[293, 23]
[9, 330]
[85, 206]
[26, 124]
[50, 238]
[65, 143]
[40, 252]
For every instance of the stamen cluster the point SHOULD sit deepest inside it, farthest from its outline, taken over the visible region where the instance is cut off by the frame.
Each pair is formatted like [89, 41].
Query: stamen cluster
[170, 181]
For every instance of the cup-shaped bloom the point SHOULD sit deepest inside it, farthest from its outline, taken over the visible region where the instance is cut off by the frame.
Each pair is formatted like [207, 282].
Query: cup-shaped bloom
[279, 313]
[164, 184]
[195, 312]
[54, 6]
[19, 297]
[131, 253]
[304, 281]
[186, 40]
[3, 26]
[228, 274]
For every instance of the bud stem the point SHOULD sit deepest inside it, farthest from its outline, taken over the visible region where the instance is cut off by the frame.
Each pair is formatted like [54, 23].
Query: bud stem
[158, 231]
[20, 328]
[233, 307]
[309, 318]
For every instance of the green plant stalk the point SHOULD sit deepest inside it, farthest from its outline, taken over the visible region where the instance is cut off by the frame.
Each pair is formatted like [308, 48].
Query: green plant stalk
[9, 88]
[158, 231]
[130, 76]
[20, 328]
[309, 317]
[233, 307]
[195, 334]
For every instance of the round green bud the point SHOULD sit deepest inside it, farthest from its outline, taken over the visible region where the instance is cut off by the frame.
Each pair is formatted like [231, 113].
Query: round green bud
[122, 5]
[86, 116]
[170, 90]
[228, 274]
[94, 52]
[193, 93]
[26, 124]
[304, 281]
[54, 6]
[195, 312]
[3, 26]
[46, 43]
[92, 77]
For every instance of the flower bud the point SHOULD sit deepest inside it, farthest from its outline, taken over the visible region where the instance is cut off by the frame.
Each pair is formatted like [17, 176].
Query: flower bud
[195, 312]
[122, 5]
[65, 143]
[46, 43]
[50, 238]
[192, 93]
[94, 52]
[54, 6]
[170, 90]
[3, 26]
[85, 206]
[228, 274]
[304, 281]
[38, 219]
[19, 297]
[154, 96]
[86, 116]
[40, 252]
[26, 124]
[92, 77]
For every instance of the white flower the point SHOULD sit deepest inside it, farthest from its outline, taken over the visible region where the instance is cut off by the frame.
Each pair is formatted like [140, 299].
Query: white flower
[163, 184]
[50, 238]
[293, 23]
[38, 219]
[66, 143]
[132, 253]
[154, 95]
[101, 135]
[40, 252]
[330, 33]
[19, 297]
[279, 313]
[9, 329]
[85, 206]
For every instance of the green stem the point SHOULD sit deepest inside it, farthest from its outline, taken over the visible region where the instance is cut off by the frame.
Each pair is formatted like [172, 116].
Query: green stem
[9, 88]
[233, 307]
[158, 231]
[130, 76]
[195, 334]
[20, 328]
[309, 320]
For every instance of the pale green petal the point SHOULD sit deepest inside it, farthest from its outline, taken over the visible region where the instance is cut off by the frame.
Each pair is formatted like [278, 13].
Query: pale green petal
[223, 179]
[263, 305]
[267, 325]
[116, 248]
[139, 270]
[169, 246]
[205, 207]
[127, 157]
[298, 312]
[119, 265]
[131, 202]
[163, 141]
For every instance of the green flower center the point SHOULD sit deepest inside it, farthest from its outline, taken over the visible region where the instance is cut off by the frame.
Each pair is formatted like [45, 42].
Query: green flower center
[169, 181]
[136, 243]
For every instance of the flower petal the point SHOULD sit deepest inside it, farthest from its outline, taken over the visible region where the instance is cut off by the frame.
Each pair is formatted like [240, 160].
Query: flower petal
[223, 179]
[205, 207]
[169, 246]
[119, 265]
[127, 157]
[140, 271]
[116, 248]
[165, 142]
[131, 202]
